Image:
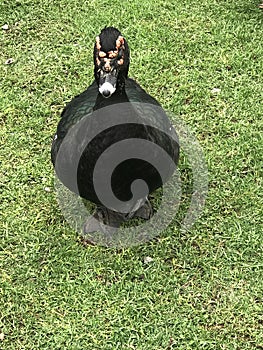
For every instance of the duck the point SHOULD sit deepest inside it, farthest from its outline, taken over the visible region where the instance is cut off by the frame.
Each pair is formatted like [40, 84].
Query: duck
[115, 118]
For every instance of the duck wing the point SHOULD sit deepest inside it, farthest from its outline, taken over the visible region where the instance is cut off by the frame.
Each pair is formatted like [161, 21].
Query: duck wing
[159, 127]
[136, 93]
[79, 107]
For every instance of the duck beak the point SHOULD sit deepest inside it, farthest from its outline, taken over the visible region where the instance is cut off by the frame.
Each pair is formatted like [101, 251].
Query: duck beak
[107, 83]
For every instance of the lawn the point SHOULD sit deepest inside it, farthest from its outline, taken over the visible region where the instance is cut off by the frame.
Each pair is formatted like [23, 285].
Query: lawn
[201, 289]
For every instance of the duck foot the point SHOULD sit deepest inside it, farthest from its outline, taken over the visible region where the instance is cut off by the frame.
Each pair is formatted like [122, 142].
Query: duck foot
[144, 212]
[104, 220]
[108, 221]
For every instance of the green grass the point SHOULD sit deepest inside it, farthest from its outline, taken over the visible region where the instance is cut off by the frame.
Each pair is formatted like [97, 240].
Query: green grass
[203, 289]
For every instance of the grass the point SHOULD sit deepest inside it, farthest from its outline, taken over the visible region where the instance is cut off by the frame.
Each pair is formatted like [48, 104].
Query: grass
[203, 289]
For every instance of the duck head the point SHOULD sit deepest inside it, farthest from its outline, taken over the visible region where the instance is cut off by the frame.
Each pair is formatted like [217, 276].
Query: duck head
[111, 61]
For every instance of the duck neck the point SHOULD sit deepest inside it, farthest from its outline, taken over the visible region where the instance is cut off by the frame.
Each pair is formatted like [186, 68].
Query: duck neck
[119, 96]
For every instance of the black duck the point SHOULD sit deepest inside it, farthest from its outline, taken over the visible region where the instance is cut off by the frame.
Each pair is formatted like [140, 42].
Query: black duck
[113, 95]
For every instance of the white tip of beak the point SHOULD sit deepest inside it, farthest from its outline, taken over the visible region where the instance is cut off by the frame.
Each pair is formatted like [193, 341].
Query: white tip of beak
[107, 89]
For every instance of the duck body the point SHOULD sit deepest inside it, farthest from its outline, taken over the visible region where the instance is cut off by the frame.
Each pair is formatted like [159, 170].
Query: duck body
[105, 116]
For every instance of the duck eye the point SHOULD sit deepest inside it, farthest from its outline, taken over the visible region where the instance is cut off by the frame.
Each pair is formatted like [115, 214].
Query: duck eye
[120, 54]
